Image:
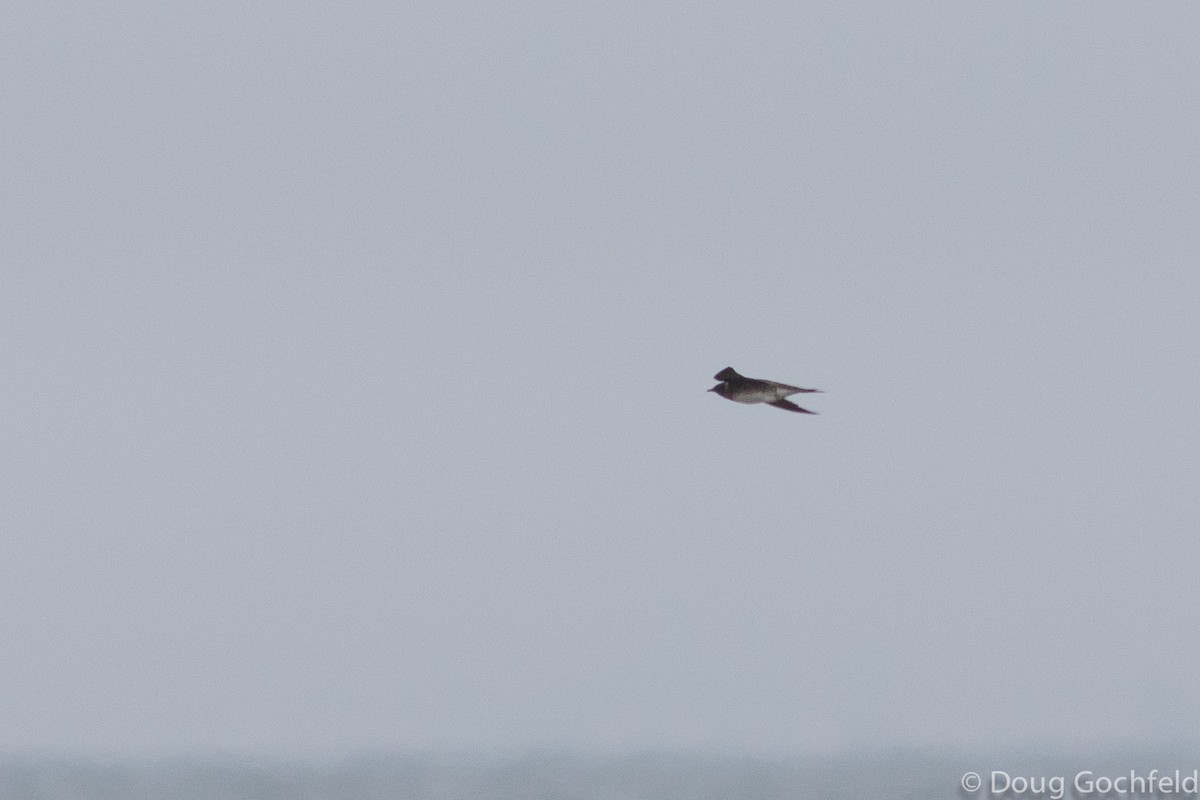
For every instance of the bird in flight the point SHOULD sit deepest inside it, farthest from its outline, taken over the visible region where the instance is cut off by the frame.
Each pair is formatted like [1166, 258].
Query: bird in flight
[741, 389]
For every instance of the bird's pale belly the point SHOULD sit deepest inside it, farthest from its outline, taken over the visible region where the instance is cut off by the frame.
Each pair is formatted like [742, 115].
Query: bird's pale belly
[757, 396]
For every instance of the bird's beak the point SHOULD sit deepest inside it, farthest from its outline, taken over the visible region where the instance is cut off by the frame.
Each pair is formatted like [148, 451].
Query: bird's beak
[711, 390]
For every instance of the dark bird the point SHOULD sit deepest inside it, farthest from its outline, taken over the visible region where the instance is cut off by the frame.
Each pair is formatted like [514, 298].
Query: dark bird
[741, 389]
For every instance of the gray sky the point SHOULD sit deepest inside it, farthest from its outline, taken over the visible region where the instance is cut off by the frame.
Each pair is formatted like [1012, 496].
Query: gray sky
[355, 360]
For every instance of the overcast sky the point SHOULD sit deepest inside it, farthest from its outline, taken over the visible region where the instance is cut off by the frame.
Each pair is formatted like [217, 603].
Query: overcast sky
[354, 363]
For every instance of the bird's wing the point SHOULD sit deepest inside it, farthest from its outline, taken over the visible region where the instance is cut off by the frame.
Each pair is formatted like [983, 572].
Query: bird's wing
[788, 405]
[727, 374]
